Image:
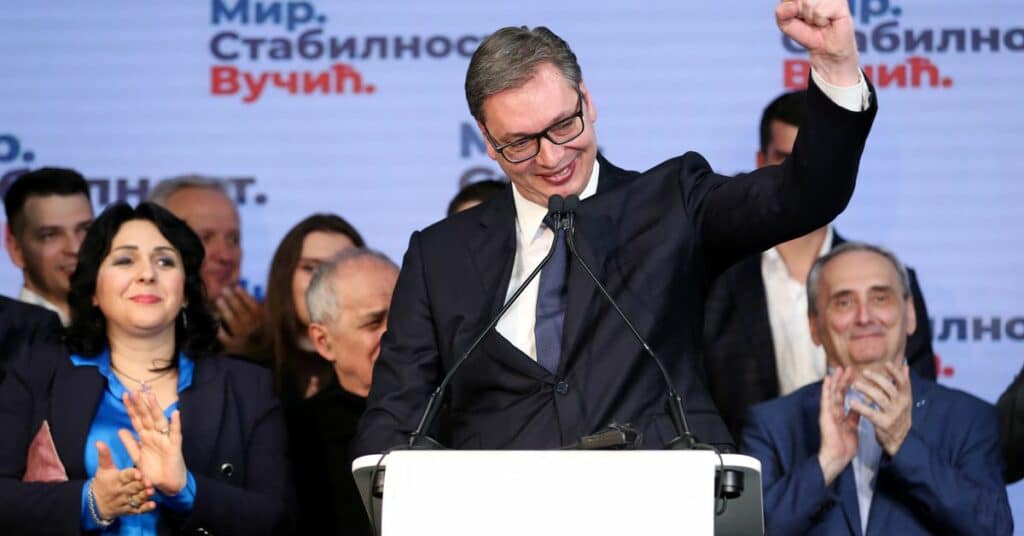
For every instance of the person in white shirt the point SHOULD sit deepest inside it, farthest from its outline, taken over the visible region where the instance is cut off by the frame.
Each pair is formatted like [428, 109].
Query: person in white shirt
[48, 213]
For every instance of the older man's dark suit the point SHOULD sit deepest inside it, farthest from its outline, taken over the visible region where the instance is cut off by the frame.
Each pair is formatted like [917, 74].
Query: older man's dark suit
[22, 324]
[739, 353]
[654, 240]
[232, 428]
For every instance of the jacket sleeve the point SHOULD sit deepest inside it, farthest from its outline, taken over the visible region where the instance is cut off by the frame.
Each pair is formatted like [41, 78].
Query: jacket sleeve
[793, 498]
[754, 211]
[48, 508]
[964, 493]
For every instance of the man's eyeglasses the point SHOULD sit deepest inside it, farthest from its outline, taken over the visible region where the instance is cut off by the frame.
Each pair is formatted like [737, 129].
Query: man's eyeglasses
[560, 133]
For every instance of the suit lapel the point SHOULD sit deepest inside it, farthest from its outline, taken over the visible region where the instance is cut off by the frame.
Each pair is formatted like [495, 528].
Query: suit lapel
[75, 395]
[201, 407]
[846, 485]
[611, 176]
[493, 248]
[593, 239]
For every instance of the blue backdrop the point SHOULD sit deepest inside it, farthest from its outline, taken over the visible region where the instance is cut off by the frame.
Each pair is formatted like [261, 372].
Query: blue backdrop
[357, 108]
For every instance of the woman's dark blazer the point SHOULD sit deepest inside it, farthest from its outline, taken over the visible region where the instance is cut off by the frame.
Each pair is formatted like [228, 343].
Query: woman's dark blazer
[233, 443]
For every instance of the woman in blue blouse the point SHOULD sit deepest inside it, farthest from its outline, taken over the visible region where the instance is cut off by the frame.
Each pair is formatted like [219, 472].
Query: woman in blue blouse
[153, 436]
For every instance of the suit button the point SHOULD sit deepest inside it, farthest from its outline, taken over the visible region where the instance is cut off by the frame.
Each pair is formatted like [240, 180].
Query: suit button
[562, 388]
[227, 469]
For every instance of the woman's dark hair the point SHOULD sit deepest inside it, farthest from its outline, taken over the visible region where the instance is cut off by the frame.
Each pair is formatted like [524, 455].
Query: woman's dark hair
[87, 333]
[284, 328]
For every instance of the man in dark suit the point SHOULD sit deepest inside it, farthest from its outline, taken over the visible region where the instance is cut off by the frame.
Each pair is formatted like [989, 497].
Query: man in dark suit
[757, 345]
[874, 448]
[22, 324]
[560, 364]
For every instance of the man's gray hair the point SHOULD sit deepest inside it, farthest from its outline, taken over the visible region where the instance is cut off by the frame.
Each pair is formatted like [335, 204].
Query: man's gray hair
[508, 58]
[815, 274]
[322, 298]
[164, 189]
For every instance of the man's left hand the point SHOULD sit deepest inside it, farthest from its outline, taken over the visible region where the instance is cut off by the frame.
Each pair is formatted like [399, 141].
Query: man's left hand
[825, 29]
[889, 390]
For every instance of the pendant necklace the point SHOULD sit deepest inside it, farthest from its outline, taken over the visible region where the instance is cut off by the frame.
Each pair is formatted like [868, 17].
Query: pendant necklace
[144, 385]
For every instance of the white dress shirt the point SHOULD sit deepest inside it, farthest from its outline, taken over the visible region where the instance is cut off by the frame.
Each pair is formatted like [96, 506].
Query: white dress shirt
[798, 360]
[28, 296]
[533, 238]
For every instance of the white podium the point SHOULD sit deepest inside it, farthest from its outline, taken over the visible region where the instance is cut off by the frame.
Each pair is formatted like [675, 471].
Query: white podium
[525, 493]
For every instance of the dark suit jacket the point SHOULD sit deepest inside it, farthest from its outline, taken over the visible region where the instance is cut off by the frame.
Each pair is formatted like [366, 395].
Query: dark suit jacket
[320, 431]
[23, 324]
[654, 240]
[234, 445]
[739, 353]
[945, 479]
[1010, 408]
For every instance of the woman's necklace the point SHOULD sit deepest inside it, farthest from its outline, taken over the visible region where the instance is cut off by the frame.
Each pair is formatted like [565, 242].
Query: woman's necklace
[144, 385]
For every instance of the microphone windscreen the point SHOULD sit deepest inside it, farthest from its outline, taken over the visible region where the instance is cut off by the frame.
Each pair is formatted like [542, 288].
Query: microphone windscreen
[555, 204]
[571, 203]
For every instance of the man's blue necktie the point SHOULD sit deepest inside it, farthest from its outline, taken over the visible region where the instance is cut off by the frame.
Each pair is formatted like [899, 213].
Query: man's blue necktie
[551, 303]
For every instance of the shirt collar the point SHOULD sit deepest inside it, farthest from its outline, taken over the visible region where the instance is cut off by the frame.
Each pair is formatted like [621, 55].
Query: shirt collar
[186, 366]
[29, 296]
[530, 215]
[772, 255]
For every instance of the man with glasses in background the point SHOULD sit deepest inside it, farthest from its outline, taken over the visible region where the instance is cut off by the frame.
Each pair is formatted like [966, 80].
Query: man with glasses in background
[560, 364]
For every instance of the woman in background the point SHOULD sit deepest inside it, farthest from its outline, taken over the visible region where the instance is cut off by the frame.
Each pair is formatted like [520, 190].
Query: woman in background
[133, 429]
[299, 371]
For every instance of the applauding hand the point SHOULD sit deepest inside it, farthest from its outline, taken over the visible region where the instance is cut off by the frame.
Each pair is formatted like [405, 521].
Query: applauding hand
[157, 451]
[119, 492]
[889, 390]
[838, 429]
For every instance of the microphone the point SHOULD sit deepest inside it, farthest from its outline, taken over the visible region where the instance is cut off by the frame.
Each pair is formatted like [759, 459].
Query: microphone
[419, 438]
[684, 440]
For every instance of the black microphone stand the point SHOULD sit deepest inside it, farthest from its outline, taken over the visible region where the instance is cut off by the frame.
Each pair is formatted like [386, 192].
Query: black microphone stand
[684, 440]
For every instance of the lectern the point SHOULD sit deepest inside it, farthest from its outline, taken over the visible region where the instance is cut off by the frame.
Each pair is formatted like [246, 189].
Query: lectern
[564, 493]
